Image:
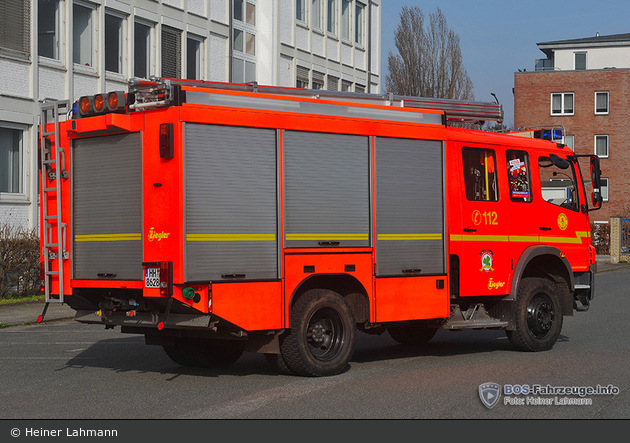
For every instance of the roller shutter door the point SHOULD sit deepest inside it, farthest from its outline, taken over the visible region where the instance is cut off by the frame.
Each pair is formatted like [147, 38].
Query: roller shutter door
[231, 203]
[327, 192]
[107, 207]
[409, 207]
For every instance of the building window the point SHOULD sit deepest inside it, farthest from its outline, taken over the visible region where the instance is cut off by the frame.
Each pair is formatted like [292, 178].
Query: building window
[142, 52]
[333, 83]
[300, 10]
[331, 23]
[562, 103]
[580, 61]
[318, 80]
[48, 28]
[601, 146]
[359, 88]
[82, 34]
[193, 58]
[114, 43]
[316, 14]
[359, 27]
[346, 86]
[15, 26]
[345, 19]
[245, 12]
[244, 42]
[171, 52]
[569, 140]
[11, 161]
[601, 103]
[604, 189]
[302, 77]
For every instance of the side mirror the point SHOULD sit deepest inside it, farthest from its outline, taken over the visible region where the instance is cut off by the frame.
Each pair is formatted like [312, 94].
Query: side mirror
[596, 174]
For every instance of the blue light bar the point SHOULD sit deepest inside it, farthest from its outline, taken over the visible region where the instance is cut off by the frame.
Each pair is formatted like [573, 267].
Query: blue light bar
[556, 134]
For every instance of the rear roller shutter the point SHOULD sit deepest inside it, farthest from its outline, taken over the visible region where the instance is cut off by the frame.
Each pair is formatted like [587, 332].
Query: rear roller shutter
[231, 203]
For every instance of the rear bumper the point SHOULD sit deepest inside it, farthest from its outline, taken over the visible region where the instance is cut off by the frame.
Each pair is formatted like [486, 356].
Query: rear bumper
[147, 320]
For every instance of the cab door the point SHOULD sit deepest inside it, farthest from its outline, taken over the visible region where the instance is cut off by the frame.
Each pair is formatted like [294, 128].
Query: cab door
[484, 256]
[561, 222]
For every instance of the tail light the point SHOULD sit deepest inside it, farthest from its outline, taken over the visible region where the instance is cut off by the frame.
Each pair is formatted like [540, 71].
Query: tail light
[167, 140]
[166, 278]
[42, 278]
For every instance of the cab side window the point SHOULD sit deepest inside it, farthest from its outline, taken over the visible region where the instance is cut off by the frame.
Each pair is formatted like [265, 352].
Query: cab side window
[519, 176]
[557, 183]
[480, 176]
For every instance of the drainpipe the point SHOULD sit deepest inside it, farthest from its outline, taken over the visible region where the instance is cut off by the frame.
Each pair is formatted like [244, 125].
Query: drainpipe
[369, 46]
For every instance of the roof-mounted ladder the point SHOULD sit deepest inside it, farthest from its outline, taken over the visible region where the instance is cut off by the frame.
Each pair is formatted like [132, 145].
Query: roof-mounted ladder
[454, 110]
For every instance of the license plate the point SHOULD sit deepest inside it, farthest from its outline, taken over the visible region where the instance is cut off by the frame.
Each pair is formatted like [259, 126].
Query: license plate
[152, 277]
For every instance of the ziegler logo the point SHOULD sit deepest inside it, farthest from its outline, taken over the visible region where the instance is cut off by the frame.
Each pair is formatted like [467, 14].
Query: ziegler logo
[495, 284]
[157, 235]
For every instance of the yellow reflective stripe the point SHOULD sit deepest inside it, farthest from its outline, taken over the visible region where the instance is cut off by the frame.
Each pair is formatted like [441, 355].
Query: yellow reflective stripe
[297, 237]
[579, 236]
[409, 236]
[107, 237]
[231, 237]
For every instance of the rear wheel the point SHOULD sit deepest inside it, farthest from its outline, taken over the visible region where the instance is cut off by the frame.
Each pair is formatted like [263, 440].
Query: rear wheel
[412, 335]
[321, 339]
[537, 315]
[205, 353]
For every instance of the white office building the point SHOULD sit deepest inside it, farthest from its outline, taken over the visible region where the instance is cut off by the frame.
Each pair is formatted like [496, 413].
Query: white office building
[63, 49]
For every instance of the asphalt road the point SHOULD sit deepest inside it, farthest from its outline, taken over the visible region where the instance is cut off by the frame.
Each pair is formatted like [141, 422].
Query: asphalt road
[66, 370]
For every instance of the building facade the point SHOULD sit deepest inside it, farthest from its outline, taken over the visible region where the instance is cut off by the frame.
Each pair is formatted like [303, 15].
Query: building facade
[64, 49]
[583, 86]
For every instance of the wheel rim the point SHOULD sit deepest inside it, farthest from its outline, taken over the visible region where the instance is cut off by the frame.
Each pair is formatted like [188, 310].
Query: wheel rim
[540, 316]
[325, 334]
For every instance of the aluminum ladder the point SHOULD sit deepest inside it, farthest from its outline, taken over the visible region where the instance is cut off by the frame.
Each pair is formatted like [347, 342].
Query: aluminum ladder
[53, 170]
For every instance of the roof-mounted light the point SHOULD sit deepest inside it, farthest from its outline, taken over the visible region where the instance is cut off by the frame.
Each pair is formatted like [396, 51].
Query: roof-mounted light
[102, 104]
[548, 134]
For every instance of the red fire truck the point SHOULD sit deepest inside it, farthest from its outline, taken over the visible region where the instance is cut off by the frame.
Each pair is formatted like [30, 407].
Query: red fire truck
[221, 218]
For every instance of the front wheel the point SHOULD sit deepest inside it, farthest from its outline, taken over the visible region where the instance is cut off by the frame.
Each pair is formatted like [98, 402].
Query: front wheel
[537, 314]
[321, 339]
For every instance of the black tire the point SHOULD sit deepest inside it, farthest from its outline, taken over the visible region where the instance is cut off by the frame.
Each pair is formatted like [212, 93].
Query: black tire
[199, 353]
[322, 335]
[412, 336]
[537, 315]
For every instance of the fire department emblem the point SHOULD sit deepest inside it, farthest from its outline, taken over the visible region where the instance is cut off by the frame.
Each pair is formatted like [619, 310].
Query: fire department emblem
[487, 258]
[489, 393]
[563, 221]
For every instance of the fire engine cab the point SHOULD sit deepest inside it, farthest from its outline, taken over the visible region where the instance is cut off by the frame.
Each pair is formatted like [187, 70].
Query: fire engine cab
[220, 218]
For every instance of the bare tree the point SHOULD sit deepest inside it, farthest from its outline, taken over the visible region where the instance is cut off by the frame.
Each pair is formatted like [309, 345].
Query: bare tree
[429, 61]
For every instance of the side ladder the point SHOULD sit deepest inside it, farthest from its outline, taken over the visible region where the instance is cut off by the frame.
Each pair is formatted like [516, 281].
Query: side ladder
[53, 170]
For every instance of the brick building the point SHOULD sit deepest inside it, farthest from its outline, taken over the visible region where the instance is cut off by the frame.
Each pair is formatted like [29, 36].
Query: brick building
[584, 86]
[63, 49]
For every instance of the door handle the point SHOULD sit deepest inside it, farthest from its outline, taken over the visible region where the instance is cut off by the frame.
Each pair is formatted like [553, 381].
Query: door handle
[469, 230]
[544, 228]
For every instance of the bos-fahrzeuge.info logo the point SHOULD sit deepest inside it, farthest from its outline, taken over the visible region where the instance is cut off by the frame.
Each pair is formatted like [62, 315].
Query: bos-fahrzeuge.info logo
[542, 395]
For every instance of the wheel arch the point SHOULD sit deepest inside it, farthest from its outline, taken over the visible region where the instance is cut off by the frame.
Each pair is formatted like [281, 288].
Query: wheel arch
[550, 263]
[351, 289]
